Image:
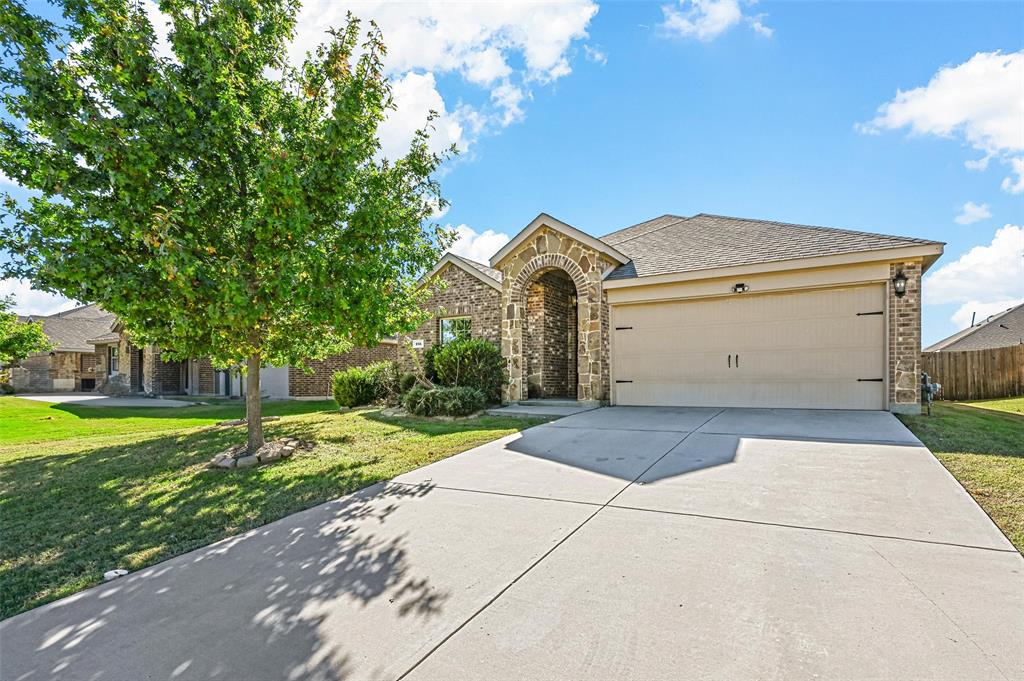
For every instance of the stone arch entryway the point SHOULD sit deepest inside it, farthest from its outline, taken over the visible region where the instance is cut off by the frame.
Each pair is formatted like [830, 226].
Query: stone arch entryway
[550, 335]
[541, 267]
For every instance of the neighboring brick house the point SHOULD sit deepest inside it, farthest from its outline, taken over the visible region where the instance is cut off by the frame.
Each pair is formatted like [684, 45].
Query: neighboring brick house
[696, 311]
[71, 366]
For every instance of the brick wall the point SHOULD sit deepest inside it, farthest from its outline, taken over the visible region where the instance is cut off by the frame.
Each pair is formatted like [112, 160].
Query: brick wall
[318, 383]
[206, 380]
[464, 295]
[905, 340]
[550, 338]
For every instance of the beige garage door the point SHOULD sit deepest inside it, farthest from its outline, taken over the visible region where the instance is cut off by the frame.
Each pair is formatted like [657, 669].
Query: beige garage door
[821, 349]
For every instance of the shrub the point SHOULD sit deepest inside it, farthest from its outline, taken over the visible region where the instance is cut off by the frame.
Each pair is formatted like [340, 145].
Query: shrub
[353, 387]
[472, 363]
[7, 389]
[428, 363]
[384, 377]
[406, 381]
[453, 401]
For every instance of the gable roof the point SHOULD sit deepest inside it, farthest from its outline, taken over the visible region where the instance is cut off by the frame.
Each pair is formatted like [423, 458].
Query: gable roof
[488, 275]
[74, 330]
[545, 220]
[673, 244]
[998, 331]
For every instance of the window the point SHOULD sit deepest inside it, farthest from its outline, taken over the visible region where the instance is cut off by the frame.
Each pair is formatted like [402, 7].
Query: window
[454, 328]
[113, 356]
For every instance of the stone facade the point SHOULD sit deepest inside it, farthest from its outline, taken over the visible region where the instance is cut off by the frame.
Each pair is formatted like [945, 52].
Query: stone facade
[544, 251]
[318, 382]
[460, 295]
[56, 372]
[905, 340]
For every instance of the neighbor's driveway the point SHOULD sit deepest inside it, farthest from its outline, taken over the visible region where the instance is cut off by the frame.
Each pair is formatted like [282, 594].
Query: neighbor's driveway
[622, 543]
[100, 400]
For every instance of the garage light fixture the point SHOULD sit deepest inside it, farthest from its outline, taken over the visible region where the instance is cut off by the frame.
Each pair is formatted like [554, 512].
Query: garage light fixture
[899, 284]
[740, 288]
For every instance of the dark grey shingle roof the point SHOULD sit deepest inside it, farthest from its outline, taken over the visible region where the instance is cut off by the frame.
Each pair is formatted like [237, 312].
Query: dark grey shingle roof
[998, 331]
[672, 244]
[640, 229]
[72, 334]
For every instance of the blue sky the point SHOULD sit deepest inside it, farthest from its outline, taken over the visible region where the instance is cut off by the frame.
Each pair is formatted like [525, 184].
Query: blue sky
[607, 115]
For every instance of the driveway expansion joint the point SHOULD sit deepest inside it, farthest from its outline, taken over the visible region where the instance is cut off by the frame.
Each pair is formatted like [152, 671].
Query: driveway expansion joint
[808, 528]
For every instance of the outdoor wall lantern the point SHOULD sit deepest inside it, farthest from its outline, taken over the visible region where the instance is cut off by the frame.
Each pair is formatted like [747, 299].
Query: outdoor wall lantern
[899, 284]
[740, 288]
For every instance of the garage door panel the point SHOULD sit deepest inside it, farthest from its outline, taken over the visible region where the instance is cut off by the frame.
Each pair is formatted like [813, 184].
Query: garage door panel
[804, 349]
[781, 395]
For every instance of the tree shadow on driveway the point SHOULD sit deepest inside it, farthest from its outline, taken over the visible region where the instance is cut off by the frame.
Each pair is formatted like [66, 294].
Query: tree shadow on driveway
[265, 601]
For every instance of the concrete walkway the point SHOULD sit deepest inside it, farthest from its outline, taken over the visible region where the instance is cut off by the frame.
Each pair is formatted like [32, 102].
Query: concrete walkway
[98, 400]
[621, 543]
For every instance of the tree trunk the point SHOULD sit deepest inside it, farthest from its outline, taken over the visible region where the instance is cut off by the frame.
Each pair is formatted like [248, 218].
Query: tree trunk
[253, 407]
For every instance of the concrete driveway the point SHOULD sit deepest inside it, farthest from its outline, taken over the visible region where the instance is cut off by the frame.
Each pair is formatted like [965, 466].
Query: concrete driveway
[621, 543]
[99, 400]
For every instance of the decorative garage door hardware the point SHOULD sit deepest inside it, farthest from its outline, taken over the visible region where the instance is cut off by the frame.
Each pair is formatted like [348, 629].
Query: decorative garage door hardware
[729, 361]
[868, 314]
[870, 380]
[620, 381]
[623, 328]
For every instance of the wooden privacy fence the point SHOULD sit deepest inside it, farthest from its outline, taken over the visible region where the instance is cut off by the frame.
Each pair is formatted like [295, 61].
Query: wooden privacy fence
[977, 374]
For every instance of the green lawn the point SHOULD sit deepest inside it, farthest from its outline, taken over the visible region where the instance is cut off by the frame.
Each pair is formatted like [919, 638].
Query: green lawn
[982, 444]
[87, 489]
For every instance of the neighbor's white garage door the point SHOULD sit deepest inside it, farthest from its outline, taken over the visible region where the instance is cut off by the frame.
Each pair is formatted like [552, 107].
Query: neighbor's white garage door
[820, 349]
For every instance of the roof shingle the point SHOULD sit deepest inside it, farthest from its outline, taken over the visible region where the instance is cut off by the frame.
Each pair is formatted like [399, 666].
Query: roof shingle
[671, 244]
[998, 331]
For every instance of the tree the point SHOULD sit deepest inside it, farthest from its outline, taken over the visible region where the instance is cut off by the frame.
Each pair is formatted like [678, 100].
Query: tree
[219, 201]
[19, 339]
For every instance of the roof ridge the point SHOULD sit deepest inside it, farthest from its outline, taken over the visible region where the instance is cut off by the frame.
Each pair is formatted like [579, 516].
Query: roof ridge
[819, 227]
[679, 218]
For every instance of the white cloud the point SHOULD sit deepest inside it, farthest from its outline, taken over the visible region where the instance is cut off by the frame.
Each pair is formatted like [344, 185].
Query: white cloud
[28, 300]
[1009, 185]
[985, 275]
[595, 54]
[980, 102]
[977, 164]
[972, 212]
[477, 246]
[979, 311]
[757, 24]
[478, 41]
[7, 180]
[415, 97]
[707, 19]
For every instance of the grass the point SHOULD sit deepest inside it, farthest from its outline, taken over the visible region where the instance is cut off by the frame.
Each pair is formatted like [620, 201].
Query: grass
[87, 489]
[982, 444]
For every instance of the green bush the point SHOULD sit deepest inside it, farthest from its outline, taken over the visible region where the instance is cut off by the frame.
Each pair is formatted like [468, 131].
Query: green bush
[453, 401]
[353, 387]
[384, 376]
[472, 363]
[7, 389]
[406, 381]
[428, 363]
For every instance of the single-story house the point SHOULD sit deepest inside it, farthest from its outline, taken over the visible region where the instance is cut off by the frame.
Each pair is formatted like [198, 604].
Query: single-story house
[93, 353]
[996, 331]
[695, 311]
[71, 364]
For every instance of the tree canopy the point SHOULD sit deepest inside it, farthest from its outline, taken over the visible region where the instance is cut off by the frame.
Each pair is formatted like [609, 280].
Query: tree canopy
[19, 339]
[219, 200]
